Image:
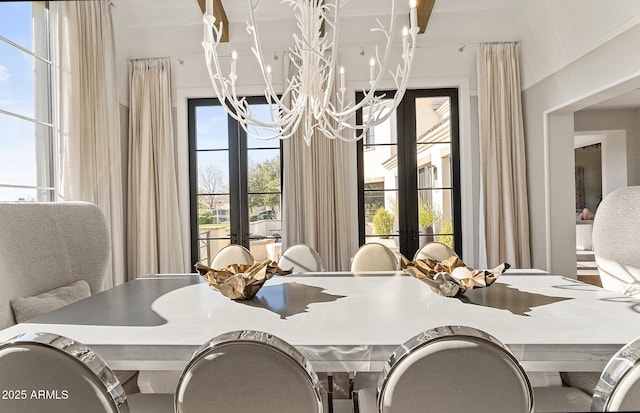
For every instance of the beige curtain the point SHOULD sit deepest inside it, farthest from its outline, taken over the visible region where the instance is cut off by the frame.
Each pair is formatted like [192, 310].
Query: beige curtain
[315, 203]
[153, 224]
[315, 197]
[89, 150]
[503, 167]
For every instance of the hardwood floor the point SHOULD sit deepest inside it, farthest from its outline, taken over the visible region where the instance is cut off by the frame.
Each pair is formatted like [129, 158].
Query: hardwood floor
[587, 270]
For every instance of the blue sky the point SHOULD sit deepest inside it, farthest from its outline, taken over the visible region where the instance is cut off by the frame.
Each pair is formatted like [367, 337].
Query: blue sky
[17, 157]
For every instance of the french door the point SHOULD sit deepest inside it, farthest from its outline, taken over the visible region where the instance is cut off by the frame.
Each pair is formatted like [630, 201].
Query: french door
[409, 174]
[235, 182]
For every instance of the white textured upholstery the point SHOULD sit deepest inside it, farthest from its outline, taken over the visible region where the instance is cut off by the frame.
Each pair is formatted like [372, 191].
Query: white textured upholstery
[616, 241]
[231, 254]
[25, 308]
[434, 250]
[246, 377]
[374, 257]
[300, 258]
[44, 246]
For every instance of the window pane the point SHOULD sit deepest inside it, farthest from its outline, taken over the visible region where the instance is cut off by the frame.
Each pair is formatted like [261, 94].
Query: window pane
[208, 248]
[17, 80]
[18, 154]
[434, 212]
[434, 166]
[432, 116]
[212, 128]
[15, 22]
[213, 210]
[213, 172]
[213, 224]
[17, 194]
[382, 134]
[262, 113]
[264, 215]
[381, 165]
[381, 220]
[263, 172]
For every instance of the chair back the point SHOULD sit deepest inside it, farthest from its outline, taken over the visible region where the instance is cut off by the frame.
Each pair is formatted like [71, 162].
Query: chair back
[374, 257]
[618, 389]
[67, 241]
[231, 254]
[453, 369]
[434, 250]
[301, 258]
[616, 240]
[49, 373]
[248, 372]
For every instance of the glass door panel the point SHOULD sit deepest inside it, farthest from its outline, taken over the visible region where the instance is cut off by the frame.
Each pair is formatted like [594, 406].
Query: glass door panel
[238, 185]
[407, 170]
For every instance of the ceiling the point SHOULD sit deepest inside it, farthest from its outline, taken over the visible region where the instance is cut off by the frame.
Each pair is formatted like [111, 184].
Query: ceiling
[630, 100]
[177, 13]
[153, 13]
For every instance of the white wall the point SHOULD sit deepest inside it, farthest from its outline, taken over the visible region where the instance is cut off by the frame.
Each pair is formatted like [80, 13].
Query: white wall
[555, 33]
[549, 127]
[627, 120]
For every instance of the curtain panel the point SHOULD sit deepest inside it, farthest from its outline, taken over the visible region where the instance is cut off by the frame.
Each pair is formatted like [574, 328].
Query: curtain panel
[153, 216]
[89, 158]
[503, 166]
[315, 196]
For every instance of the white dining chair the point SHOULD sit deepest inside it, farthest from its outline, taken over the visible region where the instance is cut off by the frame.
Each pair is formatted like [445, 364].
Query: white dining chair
[44, 372]
[248, 372]
[450, 369]
[435, 251]
[231, 254]
[374, 257]
[301, 258]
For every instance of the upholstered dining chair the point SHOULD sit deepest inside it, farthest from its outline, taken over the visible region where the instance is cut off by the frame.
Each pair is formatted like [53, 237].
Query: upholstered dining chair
[301, 258]
[44, 372]
[248, 372]
[616, 241]
[67, 241]
[450, 369]
[434, 250]
[232, 254]
[374, 257]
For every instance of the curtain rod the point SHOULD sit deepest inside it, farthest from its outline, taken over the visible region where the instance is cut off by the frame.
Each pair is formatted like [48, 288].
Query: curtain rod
[154, 58]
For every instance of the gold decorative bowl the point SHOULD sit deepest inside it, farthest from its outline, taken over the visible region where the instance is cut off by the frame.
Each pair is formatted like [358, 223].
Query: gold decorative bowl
[240, 281]
[451, 277]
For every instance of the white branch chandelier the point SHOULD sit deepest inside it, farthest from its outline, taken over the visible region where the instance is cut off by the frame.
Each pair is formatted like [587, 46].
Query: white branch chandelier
[312, 99]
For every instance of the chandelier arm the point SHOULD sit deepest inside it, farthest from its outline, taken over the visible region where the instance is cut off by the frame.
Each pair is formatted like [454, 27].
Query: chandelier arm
[310, 106]
[257, 51]
[368, 95]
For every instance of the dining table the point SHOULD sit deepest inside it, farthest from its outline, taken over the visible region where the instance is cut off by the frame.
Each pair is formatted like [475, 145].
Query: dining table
[344, 321]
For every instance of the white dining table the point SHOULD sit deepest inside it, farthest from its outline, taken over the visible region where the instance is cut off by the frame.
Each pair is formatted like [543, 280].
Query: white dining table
[347, 322]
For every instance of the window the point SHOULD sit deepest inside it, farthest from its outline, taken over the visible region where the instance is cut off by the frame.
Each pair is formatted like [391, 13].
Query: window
[26, 141]
[235, 182]
[408, 190]
[370, 137]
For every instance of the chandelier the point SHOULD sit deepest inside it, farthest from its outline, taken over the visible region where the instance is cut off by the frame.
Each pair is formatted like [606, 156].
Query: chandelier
[314, 96]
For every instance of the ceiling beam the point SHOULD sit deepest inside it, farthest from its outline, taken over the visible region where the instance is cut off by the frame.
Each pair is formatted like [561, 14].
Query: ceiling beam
[424, 13]
[220, 15]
